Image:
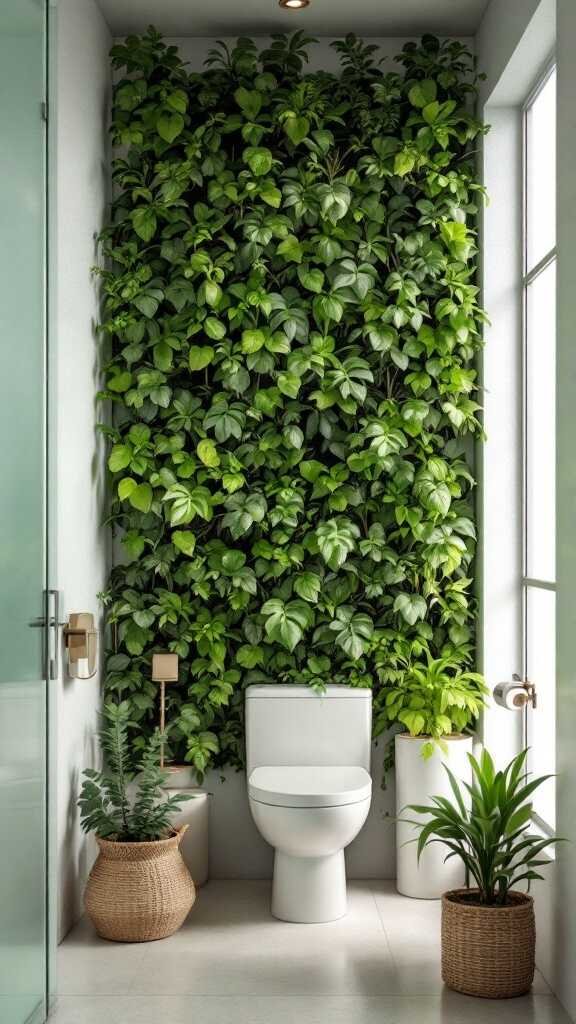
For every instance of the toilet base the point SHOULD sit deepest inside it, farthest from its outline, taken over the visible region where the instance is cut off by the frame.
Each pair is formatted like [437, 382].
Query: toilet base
[309, 890]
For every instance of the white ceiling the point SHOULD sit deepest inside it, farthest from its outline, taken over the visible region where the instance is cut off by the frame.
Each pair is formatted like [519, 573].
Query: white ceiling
[322, 17]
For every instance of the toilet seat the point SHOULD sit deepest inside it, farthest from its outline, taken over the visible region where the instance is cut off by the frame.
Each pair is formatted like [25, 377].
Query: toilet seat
[309, 786]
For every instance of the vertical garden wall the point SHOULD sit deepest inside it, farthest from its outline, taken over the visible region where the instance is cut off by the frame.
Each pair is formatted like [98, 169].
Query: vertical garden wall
[290, 297]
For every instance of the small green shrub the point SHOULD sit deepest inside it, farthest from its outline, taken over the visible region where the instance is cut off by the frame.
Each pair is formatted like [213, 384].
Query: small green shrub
[107, 807]
[433, 699]
[290, 296]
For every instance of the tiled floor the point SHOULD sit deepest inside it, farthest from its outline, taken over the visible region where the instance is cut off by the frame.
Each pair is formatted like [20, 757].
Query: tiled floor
[232, 963]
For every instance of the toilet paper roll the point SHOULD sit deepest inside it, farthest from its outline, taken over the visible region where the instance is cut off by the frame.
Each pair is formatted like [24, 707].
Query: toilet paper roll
[510, 696]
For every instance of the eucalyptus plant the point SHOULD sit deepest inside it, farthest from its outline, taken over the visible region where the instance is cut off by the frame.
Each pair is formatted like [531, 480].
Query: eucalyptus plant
[290, 297]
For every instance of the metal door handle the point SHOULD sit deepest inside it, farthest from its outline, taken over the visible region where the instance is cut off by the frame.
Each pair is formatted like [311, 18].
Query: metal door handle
[50, 622]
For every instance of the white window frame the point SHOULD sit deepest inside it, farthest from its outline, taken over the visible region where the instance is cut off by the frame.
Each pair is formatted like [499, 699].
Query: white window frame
[529, 275]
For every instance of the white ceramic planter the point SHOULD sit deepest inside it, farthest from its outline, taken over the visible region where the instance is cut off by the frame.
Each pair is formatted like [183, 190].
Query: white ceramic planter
[417, 781]
[195, 814]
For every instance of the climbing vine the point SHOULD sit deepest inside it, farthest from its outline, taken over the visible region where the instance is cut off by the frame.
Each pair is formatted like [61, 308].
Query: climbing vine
[289, 293]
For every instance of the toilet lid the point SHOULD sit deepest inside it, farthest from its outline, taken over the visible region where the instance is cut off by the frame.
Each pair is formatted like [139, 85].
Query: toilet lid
[309, 786]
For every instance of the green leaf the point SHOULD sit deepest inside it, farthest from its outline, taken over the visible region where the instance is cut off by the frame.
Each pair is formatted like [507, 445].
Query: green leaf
[307, 585]
[170, 125]
[125, 487]
[185, 541]
[208, 453]
[336, 540]
[120, 457]
[335, 201]
[422, 93]
[144, 222]
[187, 503]
[140, 497]
[120, 382]
[180, 293]
[411, 607]
[293, 436]
[199, 357]
[258, 158]
[296, 128]
[250, 102]
[291, 249]
[252, 340]
[313, 279]
[289, 384]
[404, 162]
[214, 328]
[286, 623]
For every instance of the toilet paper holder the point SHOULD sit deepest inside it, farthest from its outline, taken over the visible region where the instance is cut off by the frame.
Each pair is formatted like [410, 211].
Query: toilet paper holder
[516, 694]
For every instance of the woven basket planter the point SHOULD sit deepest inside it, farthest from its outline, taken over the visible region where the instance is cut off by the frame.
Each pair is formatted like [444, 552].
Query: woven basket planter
[137, 892]
[488, 951]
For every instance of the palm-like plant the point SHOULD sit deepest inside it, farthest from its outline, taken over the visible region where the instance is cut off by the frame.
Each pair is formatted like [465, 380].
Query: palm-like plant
[106, 804]
[487, 827]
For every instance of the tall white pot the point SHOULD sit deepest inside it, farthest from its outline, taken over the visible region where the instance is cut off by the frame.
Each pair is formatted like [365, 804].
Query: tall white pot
[417, 780]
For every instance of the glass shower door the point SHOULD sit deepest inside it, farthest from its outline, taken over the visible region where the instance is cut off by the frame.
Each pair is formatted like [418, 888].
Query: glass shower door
[23, 638]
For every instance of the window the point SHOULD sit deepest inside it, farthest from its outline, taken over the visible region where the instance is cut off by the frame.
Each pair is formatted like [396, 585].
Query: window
[539, 440]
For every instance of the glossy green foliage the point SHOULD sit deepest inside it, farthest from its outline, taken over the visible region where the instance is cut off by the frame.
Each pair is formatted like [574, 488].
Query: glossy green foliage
[118, 804]
[289, 293]
[489, 827]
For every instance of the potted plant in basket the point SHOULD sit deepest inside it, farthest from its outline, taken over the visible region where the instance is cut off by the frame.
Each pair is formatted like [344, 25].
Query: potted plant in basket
[488, 932]
[139, 888]
[436, 703]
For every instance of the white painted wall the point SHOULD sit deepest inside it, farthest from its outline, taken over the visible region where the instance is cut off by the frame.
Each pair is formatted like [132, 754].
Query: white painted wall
[322, 55]
[80, 97]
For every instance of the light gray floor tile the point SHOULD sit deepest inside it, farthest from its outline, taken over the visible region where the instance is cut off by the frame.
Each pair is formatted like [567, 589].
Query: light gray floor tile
[445, 1009]
[232, 962]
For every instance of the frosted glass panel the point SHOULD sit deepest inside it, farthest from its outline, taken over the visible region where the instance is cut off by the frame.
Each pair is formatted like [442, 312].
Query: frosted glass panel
[541, 670]
[541, 173]
[22, 519]
[540, 425]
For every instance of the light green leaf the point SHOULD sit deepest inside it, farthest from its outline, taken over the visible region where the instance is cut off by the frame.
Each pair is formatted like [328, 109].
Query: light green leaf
[140, 497]
[208, 453]
[119, 458]
[185, 541]
[296, 128]
[252, 340]
[258, 158]
[200, 356]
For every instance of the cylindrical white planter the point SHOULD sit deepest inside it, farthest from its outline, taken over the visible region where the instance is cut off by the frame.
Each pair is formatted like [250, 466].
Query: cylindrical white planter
[194, 813]
[417, 780]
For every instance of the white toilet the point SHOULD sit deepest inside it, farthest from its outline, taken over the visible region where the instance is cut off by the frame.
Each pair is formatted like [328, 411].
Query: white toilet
[309, 787]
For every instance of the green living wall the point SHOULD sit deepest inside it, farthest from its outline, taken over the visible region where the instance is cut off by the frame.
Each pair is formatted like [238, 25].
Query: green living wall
[291, 305]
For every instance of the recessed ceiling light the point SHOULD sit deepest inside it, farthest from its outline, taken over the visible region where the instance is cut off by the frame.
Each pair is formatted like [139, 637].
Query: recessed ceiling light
[293, 5]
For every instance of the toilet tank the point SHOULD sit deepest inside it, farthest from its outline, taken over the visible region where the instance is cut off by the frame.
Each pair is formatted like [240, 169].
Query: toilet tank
[293, 725]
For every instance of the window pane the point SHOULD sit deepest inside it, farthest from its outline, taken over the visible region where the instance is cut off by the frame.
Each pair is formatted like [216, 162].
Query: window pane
[541, 670]
[540, 425]
[541, 173]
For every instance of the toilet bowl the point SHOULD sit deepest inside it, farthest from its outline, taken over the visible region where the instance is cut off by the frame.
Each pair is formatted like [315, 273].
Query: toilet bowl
[307, 809]
[309, 815]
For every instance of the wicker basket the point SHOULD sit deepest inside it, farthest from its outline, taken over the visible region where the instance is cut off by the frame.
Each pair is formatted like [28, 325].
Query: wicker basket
[137, 892]
[488, 951]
